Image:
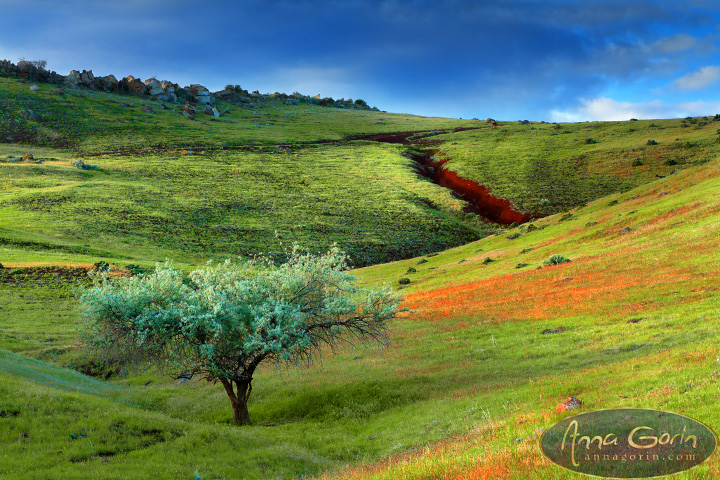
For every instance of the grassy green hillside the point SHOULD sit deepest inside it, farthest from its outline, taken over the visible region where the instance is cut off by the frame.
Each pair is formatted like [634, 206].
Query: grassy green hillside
[549, 168]
[94, 122]
[470, 378]
[470, 367]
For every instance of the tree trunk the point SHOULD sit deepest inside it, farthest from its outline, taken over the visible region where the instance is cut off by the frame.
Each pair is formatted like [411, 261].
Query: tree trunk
[239, 400]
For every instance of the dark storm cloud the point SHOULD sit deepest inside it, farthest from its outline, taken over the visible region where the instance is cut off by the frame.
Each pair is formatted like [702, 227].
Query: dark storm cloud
[452, 57]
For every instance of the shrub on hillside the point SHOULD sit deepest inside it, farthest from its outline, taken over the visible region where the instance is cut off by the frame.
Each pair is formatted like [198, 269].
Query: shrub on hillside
[652, 142]
[556, 260]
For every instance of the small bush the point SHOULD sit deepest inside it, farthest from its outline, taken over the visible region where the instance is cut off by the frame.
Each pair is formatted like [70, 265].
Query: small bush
[556, 260]
[101, 266]
[637, 163]
[525, 250]
[531, 228]
[521, 265]
[633, 119]
[404, 281]
[652, 142]
[566, 217]
[135, 269]
[590, 224]
[671, 162]
[411, 270]
[513, 236]
[613, 202]
[590, 141]
[487, 261]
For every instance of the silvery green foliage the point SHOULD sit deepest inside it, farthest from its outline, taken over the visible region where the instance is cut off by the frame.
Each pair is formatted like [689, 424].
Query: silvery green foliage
[225, 319]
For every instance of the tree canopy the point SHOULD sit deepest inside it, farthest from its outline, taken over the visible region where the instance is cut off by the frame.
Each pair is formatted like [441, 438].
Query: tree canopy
[221, 321]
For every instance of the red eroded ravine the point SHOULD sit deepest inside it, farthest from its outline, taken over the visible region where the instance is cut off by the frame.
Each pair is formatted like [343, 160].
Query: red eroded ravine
[480, 200]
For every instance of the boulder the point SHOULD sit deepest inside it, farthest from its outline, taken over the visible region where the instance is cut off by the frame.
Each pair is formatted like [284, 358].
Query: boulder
[132, 85]
[168, 87]
[155, 90]
[153, 87]
[87, 79]
[166, 97]
[34, 88]
[28, 115]
[109, 83]
[571, 403]
[147, 109]
[73, 77]
[189, 112]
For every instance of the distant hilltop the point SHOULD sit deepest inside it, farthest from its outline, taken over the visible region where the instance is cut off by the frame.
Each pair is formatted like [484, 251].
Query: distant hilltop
[160, 90]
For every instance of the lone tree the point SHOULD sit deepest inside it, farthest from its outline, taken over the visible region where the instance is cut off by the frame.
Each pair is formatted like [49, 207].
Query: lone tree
[222, 321]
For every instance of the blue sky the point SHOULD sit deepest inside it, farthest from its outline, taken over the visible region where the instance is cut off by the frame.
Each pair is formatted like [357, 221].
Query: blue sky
[554, 60]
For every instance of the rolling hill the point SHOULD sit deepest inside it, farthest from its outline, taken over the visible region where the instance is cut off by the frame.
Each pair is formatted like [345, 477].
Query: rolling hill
[494, 338]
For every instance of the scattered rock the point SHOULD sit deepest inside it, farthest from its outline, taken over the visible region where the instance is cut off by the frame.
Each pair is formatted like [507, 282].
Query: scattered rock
[29, 156]
[571, 403]
[148, 109]
[189, 111]
[28, 115]
[34, 88]
[85, 166]
[153, 87]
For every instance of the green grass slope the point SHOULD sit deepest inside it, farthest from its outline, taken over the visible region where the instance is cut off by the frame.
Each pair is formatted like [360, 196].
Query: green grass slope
[253, 181]
[548, 168]
[635, 313]
[95, 122]
[470, 367]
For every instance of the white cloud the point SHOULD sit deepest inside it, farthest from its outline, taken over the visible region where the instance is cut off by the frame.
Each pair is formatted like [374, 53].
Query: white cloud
[608, 109]
[698, 80]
